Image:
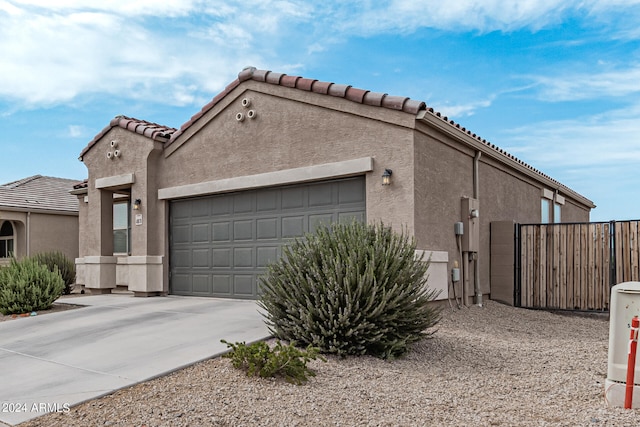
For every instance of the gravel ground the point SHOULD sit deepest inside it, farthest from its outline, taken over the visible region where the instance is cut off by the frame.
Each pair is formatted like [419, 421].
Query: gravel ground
[491, 366]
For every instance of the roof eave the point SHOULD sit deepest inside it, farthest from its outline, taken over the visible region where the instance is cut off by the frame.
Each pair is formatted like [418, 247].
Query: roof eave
[478, 144]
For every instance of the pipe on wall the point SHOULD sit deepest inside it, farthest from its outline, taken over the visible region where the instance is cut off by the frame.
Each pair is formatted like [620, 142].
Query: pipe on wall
[476, 263]
[28, 233]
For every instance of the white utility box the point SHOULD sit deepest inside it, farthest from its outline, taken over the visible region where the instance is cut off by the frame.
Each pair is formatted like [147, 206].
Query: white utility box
[625, 303]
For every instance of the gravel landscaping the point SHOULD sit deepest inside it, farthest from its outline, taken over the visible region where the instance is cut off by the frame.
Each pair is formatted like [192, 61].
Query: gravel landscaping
[491, 366]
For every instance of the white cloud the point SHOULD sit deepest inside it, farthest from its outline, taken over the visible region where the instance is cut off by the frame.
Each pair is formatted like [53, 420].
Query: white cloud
[463, 110]
[609, 139]
[580, 86]
[76, 131]
[176, 51]
[52, 56]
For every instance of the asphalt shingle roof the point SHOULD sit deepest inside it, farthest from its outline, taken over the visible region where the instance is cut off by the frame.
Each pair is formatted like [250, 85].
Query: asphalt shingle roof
[38, 193]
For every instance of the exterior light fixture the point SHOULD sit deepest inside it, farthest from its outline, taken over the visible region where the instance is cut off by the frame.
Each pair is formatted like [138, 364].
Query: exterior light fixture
[136, 205]
[386, 177]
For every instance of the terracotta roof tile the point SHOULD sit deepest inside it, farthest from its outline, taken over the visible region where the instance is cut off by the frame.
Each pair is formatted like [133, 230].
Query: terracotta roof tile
[321, 87]
[289, 81]
[305, 84]
[39, 193]
[394, 102]
[253, 74]
[355, 95]
[81, 184]
[373, 98]
[274, 78]
[150, 130]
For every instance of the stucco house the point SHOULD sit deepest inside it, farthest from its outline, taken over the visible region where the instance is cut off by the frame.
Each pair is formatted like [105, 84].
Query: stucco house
[38, 214]
[200, 210]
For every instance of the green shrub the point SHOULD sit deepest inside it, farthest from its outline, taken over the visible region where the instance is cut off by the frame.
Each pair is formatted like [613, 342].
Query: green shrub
[66, 267]
[27, 285]
[350, 289]
[258, 359]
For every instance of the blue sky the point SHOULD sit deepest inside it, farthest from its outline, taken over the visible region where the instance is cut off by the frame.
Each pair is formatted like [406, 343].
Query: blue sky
[554, 82]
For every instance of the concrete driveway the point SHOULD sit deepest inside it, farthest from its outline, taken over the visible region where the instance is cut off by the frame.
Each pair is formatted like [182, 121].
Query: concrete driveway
[58, 360]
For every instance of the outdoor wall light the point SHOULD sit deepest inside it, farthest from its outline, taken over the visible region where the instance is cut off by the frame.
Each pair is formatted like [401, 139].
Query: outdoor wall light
[136, 205]
[386, 177]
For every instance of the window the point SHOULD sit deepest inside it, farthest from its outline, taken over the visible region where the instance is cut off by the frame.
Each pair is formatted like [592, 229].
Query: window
[121, 228]
[557, 208]
[545, 211]
[6, 240]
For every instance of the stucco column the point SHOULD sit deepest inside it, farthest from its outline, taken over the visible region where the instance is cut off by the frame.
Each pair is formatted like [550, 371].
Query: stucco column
[100, 269]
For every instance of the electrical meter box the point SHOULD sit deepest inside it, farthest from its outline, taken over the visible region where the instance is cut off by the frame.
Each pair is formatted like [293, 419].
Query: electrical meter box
[471, 219]
[625, 303]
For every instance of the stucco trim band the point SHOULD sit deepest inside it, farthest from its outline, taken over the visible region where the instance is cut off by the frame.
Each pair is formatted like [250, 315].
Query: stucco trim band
[269, 179]
[115, 181]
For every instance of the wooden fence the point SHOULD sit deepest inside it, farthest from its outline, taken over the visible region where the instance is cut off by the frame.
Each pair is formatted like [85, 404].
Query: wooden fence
[573, 266]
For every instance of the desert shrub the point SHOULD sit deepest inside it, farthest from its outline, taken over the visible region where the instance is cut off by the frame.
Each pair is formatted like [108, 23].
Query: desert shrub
[286, 361]
[66, 267]
[350, 289]
[27, 285]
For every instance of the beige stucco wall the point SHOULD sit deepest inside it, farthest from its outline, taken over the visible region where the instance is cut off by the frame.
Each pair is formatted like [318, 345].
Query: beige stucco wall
[43, 232]
[444, 175]
[295, 133]
[54, 233]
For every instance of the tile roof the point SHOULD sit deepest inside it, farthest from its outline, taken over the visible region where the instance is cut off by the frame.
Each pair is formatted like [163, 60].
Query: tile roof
[150, 130]
[361, 96]
[38, 193]
[351, 93]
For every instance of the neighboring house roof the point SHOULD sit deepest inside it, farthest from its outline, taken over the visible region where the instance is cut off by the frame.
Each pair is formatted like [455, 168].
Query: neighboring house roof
[39, 193]
[417, 108]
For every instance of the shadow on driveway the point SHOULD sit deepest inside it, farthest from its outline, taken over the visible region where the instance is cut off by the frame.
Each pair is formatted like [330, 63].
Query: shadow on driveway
[59, 360]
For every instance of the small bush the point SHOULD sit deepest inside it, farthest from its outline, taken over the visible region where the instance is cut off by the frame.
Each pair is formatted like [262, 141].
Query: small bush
[66, 267]
[350, 289]
[286, 361]
[27, 285]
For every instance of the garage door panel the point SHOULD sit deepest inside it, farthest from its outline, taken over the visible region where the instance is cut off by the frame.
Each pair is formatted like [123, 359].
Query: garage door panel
[321, 195]
[181, 258]
[221, 231]
[243, 285]
[181, 283]
[200, 233]
[321, 219]
[200, 258]
[224, 254]
[181, 234]
[351, 191]
[293, 198]
[267, 229]
[243, 202]
[222, 205]
[267, 201]
[181, 210]
[243, 257]
[222, 284]
[201, 284]
[221, 258]
[266, 255]
[293, 226]
[200, 208]
[243, 230]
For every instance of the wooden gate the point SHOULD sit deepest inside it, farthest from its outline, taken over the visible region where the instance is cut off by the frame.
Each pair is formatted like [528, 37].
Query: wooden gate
[573, 266]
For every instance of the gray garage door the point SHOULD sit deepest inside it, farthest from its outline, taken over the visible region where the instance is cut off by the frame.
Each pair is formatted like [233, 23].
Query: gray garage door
[221, 244]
